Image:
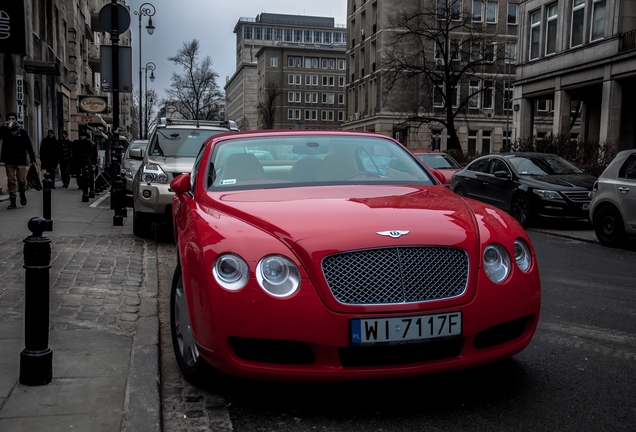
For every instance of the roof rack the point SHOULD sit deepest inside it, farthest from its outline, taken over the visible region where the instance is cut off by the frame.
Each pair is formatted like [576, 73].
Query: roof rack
[229, 124]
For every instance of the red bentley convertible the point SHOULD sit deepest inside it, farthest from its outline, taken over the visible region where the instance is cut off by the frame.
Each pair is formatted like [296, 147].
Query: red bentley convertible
[337, 257]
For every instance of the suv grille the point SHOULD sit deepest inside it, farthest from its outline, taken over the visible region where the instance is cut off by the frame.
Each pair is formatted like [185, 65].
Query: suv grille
[578, 196]
[396, 275]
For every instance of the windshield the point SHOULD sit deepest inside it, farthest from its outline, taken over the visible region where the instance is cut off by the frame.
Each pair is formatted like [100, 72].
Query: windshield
[544, 165]
[311, 160]
[434, 160]
[179, 142]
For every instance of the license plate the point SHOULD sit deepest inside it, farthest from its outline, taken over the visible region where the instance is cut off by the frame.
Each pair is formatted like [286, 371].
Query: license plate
[403, 330]
[585, 206]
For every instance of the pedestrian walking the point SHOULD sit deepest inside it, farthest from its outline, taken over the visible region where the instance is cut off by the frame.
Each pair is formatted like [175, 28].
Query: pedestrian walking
[16, 144]
[83, 155]
[66, 158]
[50, 155]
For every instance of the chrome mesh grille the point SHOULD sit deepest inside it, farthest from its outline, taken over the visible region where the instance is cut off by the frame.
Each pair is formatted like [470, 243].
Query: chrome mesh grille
[578, 196]
[396, 275]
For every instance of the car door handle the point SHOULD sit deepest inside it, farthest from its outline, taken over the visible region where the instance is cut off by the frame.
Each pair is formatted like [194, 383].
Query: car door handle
[623, 189]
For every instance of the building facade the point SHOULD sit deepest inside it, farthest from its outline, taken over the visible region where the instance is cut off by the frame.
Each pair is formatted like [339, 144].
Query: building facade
[580, 57]
[61, 62]
[276, 35]
[485, 123]
[311, 81]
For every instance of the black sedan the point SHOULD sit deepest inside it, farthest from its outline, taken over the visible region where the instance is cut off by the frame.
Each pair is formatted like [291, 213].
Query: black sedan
[527, 185]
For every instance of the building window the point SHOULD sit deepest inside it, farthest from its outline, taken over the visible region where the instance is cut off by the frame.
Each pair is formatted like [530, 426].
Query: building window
[288, 35]
[472, 142]
[478, 11]
[341, 98]
[336, 37]
[273, 61]
[452, 7]
[307, 97]
[258, 33]
[314, 115]
[278, 34]
[290, 79]
[311, 62]
[485, 142]
[317, 37]
[326, 37]
[341, 116]
[438, 97]
[294, 61]
[247, 32]
[341, 81]
[290, 96]
[551, 29]
[598, 20]
[298, 35]
[578, 17]
[473, 91]
[298, 96]
[267, 34]
[489, 52]
[307, 115]
[308, 34]
[290, 114]
[491, 12]
[535, 33]
[311, 80]
[314, 98]
[488, 95]
[512, 13]
[298, 79]
[511, 52]
[542, 105]
[507, 96]
[456, 46]
[341, 64]
[323, 115]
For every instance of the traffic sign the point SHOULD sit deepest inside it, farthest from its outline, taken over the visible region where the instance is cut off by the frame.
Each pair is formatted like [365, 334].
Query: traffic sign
[122, 21]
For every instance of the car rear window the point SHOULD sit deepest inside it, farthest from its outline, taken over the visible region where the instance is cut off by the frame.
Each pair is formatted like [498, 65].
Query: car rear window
[172, 142]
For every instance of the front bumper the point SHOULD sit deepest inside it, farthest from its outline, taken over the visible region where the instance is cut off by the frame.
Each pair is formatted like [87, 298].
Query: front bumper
[252, 335]
[153, 200]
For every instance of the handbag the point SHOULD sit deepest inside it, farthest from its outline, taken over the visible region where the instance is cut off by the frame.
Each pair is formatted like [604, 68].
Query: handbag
[33, 178]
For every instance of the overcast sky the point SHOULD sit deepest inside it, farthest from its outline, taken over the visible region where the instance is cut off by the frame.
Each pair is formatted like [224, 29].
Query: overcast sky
[212, 23]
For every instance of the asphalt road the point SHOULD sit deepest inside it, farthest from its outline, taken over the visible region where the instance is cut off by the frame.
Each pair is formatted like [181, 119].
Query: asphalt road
[579, 372]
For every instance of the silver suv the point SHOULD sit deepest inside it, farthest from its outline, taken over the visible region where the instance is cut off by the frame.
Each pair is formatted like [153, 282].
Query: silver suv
[172, 148]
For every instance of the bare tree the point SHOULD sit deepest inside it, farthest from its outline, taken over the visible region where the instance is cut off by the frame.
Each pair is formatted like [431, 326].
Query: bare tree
[435, 53]
[266, 107]
[194, 94]
[150, 108]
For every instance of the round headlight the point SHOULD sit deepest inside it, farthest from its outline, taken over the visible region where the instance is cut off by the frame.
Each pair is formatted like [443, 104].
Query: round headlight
[496, 263]
[231, 272]
[522, 255]
[278, 276]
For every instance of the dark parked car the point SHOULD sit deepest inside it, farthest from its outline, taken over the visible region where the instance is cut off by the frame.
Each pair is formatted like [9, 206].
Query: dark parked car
[527, 185]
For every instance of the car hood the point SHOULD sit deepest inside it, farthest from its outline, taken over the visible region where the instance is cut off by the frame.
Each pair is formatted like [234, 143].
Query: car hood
[315, 222]
[567, 181]
[173, 164]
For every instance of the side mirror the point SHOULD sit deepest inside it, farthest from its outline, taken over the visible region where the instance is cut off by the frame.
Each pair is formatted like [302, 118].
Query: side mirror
[181, 184]
[501, 174]
[438, 175]
[136, 153]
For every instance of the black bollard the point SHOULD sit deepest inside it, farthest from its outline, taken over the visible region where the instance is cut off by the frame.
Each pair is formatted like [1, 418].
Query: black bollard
[36, 359]
[85, 183]
[91, 183]
[47, 185]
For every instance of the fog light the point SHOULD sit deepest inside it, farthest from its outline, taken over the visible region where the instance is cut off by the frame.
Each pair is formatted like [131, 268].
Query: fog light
[146, 194]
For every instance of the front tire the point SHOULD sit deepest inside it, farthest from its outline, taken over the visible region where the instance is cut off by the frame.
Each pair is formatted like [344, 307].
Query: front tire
[460, 191]
[608, 225]
[192, 366]
[521, 209]
[141, 228]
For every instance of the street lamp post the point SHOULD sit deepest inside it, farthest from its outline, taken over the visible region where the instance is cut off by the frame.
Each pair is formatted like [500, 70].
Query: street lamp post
[150, 66]
[148, 10]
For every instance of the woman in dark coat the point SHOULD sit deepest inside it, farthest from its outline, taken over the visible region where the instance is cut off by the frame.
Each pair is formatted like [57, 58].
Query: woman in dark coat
[50, 154]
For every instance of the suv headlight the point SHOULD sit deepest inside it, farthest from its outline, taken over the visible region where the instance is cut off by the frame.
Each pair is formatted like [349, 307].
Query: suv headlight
[152, 173]
[547, 194]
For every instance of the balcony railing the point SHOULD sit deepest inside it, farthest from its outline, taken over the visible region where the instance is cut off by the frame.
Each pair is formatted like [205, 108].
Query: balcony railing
[628, 41]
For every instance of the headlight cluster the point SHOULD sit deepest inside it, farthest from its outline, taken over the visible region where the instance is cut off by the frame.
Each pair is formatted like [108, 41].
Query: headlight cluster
[497, 260]
[276, 274]
[547, 194]
[152, 173]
